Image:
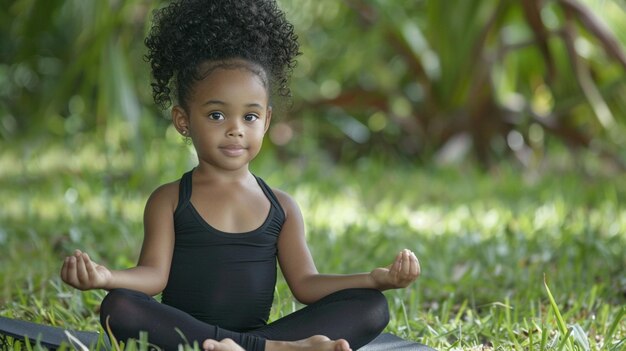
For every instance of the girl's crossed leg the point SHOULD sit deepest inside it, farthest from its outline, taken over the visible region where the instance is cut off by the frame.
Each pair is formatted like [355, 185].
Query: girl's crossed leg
[356, 315]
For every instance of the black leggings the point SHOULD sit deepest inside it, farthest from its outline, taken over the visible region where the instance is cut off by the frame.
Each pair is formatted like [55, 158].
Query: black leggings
[357, 315]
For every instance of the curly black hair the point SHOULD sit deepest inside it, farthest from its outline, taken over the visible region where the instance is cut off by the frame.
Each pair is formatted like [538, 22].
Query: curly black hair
[188, 33]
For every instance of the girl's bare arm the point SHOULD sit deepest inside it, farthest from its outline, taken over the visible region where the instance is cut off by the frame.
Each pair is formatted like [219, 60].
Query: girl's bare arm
[308, 285]
[152, 271]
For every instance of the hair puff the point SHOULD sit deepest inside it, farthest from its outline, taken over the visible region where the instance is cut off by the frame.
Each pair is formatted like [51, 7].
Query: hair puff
[187, 33]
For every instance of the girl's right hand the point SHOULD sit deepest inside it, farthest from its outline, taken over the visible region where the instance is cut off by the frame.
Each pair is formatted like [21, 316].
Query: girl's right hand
[82, 273]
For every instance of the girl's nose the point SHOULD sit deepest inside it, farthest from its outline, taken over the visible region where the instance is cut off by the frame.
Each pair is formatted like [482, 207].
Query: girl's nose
[235, 129]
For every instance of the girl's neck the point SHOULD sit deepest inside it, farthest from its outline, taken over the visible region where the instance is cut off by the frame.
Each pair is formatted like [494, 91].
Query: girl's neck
[206, 172]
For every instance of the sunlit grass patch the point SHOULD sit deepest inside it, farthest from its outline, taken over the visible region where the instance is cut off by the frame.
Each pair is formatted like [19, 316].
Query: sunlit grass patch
[485, 242]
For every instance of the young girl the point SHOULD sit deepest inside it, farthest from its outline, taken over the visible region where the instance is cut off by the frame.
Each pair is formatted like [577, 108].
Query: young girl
[212, 238]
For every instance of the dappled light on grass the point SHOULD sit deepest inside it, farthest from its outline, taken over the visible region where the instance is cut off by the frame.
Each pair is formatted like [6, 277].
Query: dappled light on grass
[484, 241]
[461, 220]
[334, 212]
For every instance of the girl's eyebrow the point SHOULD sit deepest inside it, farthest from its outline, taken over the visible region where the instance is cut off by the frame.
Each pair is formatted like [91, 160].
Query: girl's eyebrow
[222, 103]
[214, 102]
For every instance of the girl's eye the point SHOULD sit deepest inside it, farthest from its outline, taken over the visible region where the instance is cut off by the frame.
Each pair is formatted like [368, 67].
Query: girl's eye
[216, 116]
[251, 118]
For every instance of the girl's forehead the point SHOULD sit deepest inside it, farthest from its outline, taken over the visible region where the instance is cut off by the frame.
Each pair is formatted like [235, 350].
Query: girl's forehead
[231, 84]
[207, 67]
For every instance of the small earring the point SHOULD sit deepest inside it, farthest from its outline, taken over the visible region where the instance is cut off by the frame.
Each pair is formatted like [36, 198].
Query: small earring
[186, 138]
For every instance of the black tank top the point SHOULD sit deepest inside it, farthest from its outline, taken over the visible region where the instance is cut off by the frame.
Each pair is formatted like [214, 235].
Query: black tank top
[222, 278]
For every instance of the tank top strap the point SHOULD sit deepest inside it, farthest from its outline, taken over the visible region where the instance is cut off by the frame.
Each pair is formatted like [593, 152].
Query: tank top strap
[271, 196]
[184, 191]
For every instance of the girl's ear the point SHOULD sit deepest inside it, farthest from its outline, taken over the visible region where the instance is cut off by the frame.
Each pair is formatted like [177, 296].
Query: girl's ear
[268, 119]
[180, 120]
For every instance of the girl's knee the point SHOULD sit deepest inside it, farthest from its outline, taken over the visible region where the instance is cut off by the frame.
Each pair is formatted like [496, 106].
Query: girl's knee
[116, 297]
[372, 305]
[119, 302]
[379, 308]
[374, 314]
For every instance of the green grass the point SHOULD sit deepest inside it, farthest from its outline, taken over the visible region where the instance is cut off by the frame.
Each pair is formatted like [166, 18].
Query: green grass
[485, 241]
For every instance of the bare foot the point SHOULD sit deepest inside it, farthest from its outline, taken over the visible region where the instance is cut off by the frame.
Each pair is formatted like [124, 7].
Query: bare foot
[314, 343]
[224, 345]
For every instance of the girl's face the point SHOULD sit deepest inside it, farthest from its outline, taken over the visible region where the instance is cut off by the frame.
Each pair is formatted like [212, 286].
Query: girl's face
[226, 118]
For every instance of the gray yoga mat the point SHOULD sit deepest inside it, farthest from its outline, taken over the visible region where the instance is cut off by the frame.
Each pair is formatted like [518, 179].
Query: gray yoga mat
[387, 341]
[52, 337]
[48, 336]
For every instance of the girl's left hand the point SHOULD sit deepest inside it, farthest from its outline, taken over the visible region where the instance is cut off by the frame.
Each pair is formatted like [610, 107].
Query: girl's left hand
[402, 272]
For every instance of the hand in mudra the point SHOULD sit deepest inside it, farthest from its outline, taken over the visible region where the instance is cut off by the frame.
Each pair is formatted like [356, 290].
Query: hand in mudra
[403, 271]
[82, 273]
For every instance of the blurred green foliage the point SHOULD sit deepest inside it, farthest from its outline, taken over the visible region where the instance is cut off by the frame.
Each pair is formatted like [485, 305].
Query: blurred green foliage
[538, 82]
[412, 80]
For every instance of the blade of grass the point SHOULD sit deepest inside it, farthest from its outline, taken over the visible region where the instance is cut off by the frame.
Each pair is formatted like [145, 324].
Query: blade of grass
[566, 341]
[112, 338]
[75, 342]
[580, 337]
[618, 345]
[531, 333]
[544, 337]
[509, 324]
[406, 317]
[460, 313]
[620, 315]
[559, 318]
